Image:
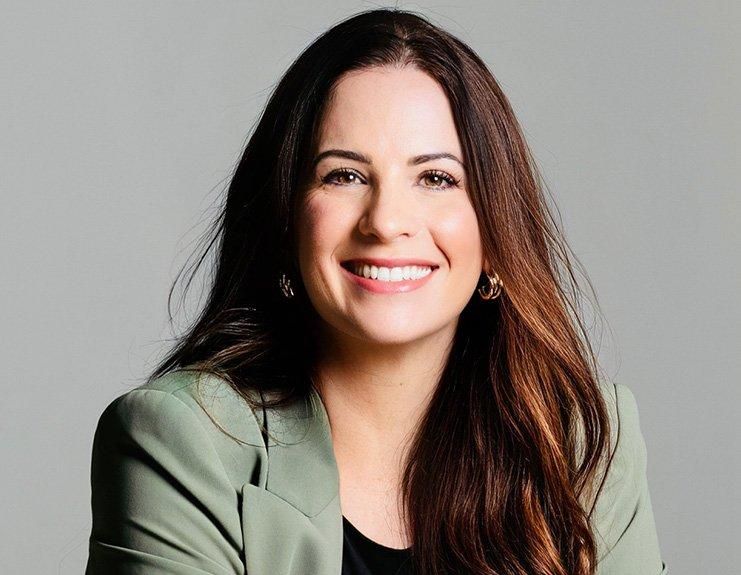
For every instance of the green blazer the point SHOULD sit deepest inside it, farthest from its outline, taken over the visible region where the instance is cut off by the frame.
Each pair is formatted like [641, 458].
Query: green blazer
[178, 490]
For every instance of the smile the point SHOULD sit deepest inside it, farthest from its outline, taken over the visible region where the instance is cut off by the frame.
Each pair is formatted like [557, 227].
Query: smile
[380, 279]
[394, 274]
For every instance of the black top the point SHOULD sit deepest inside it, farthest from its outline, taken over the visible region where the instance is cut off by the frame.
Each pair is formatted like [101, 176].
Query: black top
[363, 556]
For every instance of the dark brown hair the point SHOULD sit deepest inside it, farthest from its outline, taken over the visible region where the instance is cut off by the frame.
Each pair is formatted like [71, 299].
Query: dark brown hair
[502, 472]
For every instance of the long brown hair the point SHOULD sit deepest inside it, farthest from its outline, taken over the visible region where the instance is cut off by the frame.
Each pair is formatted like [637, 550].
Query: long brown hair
[501, 475]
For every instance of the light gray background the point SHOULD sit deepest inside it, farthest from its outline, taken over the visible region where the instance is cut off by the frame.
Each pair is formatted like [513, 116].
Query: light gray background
[121, 121]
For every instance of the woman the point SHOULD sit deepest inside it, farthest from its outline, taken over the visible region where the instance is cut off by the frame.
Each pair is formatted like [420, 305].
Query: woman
[386, 377]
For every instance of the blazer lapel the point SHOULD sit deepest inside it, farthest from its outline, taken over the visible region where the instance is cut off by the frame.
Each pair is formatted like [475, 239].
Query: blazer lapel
[291, 520]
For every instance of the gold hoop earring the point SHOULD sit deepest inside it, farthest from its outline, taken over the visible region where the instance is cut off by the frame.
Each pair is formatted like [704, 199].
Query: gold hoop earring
[285, 286]
[492, 290]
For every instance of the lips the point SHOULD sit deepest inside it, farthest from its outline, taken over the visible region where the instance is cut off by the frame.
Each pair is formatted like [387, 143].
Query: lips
[388, 262]
[384, 287]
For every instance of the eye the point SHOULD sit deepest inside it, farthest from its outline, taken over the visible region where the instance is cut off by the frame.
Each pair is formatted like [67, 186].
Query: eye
[438, 177]
[331, 178]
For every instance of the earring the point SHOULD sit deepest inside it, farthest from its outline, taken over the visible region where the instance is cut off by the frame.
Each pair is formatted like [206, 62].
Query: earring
[285, 286]
[493, 289]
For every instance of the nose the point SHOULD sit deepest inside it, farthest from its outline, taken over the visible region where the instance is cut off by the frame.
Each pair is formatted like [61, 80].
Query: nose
[392, 210]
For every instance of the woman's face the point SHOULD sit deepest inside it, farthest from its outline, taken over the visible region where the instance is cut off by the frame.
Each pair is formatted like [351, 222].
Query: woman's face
[374, 196]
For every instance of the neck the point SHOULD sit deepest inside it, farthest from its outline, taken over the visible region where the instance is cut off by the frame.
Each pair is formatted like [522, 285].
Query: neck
[375, 395]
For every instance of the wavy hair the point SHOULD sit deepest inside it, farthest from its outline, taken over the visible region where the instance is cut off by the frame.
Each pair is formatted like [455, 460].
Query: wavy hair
[501, 474]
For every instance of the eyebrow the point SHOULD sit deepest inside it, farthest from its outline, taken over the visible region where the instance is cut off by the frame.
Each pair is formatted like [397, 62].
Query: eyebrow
[358, 157]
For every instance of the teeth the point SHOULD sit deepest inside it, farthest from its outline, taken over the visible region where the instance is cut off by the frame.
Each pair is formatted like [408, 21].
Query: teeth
[392, 274]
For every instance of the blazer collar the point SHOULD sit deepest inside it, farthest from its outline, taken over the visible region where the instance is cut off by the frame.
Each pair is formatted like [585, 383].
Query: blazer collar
[289, 496]
[296, 461]
[301, 466]
[291, 520]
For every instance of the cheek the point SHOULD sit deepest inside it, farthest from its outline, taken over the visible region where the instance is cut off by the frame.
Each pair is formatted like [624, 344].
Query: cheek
[321, 226]
[458, 234]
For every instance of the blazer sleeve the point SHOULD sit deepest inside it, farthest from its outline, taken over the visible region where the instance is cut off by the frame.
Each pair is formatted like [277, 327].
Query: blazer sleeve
[161, 499]
[626, 531]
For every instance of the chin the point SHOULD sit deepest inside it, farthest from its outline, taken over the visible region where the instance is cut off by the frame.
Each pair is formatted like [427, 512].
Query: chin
[392, 333]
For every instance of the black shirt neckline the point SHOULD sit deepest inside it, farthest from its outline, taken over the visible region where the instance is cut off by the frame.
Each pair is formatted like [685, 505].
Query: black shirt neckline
[373, 545]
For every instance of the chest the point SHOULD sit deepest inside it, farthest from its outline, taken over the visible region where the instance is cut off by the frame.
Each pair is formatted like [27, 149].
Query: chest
[371, 501]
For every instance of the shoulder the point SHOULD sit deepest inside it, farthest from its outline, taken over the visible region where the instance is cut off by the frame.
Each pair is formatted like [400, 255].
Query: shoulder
[182, 412]
[622, 408]
[169, 462]
[626, 439]
[623, 519]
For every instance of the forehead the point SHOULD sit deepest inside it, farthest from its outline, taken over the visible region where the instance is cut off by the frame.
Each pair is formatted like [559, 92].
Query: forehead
[389, 109]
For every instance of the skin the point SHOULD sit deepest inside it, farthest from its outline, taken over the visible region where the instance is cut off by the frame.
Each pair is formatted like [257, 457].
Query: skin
[382, 354]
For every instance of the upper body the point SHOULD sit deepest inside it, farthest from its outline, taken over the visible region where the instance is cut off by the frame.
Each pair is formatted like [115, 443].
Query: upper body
[385, 235]
[173, 491]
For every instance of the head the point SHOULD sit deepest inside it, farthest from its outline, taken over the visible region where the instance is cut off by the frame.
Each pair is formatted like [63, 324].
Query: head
[388, 182]
[389, 138]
